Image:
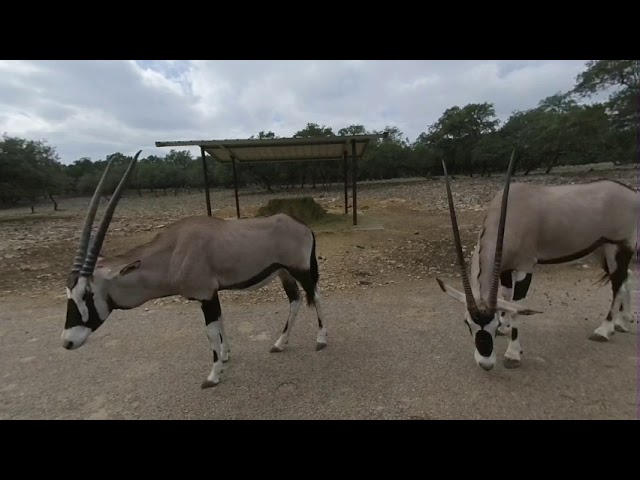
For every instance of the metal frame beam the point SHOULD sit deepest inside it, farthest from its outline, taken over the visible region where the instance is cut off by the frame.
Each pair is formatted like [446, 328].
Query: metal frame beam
[209, 146]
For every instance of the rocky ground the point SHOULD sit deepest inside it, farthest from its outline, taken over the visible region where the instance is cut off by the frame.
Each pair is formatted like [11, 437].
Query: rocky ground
[403, 230]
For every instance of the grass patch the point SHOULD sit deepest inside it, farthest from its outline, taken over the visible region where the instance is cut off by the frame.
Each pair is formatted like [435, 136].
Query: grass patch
[35, 217]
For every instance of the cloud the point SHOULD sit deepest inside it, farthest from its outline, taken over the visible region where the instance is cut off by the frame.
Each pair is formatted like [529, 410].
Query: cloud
[94, 108]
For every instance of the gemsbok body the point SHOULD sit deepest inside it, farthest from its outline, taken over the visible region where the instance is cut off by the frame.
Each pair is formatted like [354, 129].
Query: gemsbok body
[195, 257]
[527, 225]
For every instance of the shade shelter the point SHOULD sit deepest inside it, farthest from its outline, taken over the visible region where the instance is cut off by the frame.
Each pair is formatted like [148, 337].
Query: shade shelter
[295, 149]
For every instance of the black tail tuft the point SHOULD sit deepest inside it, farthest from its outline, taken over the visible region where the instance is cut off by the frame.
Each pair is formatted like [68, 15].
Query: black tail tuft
[310, 287]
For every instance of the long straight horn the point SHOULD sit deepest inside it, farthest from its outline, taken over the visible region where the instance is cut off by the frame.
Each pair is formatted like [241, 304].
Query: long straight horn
[472, 307]
[493, 293]
[92, 257]
[88, 222]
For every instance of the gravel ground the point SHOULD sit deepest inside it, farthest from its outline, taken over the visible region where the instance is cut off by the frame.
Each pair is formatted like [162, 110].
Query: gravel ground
[395, 352]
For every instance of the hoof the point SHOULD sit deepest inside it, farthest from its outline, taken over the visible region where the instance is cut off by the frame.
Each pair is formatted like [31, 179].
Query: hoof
[275, 349]
[320, 346]
[620, 328]
[511, 363]
[596, 337]
[225, 360]
[208, 384]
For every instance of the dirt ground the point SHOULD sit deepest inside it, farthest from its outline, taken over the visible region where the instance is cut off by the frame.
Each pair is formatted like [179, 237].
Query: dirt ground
[397, 346]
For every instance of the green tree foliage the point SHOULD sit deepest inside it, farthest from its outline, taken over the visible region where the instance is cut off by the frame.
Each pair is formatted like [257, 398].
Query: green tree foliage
[622, 79]
[560, 130]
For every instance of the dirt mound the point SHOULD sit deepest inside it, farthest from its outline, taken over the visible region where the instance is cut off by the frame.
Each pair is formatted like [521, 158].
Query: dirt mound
[304, 208]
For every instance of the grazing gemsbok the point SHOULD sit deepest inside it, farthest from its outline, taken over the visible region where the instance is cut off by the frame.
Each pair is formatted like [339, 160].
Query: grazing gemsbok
[195, 257]
[543, 225]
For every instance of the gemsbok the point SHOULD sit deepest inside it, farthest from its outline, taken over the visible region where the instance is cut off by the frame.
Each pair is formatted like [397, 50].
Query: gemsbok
[549, 224]
[195, 257]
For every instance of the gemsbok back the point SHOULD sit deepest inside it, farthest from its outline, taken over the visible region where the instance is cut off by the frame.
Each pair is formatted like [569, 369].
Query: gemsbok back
[550, 224]
[195, 257]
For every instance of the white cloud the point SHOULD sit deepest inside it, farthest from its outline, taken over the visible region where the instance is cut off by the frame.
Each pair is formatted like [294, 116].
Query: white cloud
[94, 108]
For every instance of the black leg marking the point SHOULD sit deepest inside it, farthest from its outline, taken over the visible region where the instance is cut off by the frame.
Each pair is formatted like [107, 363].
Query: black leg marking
[505, 279]
[306, 281]
[507, 282]
[514, 334]
[522, 287]
[211, 309]
[293, 294]
[291, 288]
[619, 275]
[212, 313]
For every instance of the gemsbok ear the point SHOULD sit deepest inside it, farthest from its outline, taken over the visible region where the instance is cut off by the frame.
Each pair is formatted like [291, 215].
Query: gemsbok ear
[505, 306]
[129, 268]
[452, 292]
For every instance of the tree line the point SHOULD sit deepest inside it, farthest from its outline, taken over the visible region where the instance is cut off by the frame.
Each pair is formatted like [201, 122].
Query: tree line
[559, 130]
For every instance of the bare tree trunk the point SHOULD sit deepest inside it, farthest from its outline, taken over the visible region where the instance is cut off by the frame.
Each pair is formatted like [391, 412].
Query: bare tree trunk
[552, 164]
[55, 204]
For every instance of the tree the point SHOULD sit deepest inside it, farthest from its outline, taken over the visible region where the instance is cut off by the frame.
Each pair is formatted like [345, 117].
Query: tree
[623, 78]
[457, 132]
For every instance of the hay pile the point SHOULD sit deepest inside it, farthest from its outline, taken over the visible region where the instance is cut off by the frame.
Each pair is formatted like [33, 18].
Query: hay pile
[305, 208]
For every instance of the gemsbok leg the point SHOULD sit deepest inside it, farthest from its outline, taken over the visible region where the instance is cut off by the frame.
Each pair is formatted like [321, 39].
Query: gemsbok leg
[293, 294]
[617, 259]
[515, 287]
[212, 313]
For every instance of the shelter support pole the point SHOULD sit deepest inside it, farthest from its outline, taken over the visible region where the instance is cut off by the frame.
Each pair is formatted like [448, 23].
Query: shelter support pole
[346, 184]
[354, 173]
[235, 185]
[206, 181]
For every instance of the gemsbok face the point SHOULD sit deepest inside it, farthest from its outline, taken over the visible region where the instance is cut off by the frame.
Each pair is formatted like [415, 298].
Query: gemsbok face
[482, 318]
[88, 302]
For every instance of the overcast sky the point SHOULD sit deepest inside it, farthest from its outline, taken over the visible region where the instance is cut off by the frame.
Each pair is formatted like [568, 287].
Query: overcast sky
[94, 108]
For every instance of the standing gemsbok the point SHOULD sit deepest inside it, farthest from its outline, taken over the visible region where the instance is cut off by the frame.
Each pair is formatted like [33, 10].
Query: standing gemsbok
[543, 225]
[195, 257]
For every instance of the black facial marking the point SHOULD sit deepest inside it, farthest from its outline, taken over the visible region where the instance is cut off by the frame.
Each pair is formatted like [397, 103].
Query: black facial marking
[74, 318]
[482, 319]
[94, 319]
[484, 343]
